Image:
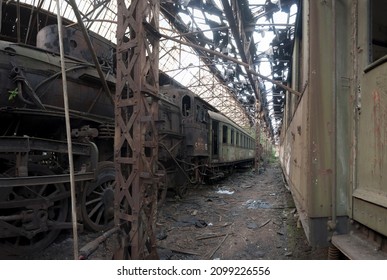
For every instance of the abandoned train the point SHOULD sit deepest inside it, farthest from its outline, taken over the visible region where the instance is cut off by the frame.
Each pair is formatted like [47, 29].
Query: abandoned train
[334, 136]
[196, 141]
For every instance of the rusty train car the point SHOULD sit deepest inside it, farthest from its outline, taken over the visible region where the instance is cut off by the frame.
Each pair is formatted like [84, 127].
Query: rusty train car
[196, 142]
[333, 142]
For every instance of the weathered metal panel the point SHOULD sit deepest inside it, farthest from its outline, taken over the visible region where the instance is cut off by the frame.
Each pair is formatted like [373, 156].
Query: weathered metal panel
[370, 192]
[75, 45]
[315, 152]
[294, 150]
[371, 215]
[339, 128]
[344, 100]
[307, 149]
[322, 122]
[36, 72]
[294, 157]
[372, 152]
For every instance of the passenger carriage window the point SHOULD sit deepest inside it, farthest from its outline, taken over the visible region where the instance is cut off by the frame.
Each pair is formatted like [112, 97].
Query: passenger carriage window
[225, 134]
[378, 29]
[232, 136]
[237, 139]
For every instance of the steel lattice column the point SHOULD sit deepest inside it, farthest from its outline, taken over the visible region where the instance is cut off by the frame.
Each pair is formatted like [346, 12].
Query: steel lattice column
[136, 142]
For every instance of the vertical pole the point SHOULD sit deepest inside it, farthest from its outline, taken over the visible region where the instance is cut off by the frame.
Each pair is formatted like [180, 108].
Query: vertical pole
[258, 151]
[1, 13]
[332, 224]
[136, 143]
[68, 132]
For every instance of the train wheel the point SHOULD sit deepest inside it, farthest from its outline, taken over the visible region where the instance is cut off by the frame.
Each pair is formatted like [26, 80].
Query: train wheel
[98, 199]
[182, 190]
[34, 219]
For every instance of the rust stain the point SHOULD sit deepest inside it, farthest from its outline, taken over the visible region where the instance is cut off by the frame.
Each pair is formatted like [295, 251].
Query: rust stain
[328, 171]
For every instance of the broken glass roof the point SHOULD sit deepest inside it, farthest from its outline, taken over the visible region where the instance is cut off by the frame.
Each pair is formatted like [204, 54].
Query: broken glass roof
[257, 33]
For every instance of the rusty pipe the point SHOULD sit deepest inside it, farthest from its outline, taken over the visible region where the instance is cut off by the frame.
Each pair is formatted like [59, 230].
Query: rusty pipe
[92, 246]
[20, 94]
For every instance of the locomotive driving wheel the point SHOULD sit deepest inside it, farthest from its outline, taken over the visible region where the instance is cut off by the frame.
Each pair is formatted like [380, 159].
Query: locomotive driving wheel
[98, 199]
[33, 224]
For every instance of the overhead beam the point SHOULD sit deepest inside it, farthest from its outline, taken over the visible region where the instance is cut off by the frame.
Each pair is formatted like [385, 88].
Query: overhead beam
[248, 69]
[190, 37]
[239, 34]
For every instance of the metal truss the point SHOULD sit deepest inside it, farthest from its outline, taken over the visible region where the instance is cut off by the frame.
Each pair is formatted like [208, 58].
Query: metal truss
[136, 144]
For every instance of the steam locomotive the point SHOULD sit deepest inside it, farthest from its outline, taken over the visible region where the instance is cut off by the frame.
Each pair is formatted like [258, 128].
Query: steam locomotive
[196, 142]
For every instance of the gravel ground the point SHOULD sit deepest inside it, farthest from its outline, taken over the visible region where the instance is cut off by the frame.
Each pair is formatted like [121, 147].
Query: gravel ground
[250, 215]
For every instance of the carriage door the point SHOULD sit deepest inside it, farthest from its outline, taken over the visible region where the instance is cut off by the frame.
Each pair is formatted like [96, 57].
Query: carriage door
[370, 193]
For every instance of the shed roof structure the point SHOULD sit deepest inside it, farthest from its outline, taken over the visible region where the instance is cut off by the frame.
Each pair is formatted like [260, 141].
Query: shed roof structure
[256, 36]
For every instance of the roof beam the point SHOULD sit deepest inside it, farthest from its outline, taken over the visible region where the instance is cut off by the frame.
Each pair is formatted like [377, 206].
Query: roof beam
[236, 25]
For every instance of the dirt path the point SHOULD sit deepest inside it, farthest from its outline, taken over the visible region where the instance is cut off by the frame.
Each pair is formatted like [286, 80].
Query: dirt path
[248, 216]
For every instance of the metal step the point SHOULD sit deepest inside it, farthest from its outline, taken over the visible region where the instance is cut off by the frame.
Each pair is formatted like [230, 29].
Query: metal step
[356, 248]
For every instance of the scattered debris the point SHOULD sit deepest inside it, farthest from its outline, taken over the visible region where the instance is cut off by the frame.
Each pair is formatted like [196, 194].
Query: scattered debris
[265, 223]
[289, 254]
[200, 224]
[220, 244]
[256, 204]
[222, 191]
[252, 225]
[161, 235]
